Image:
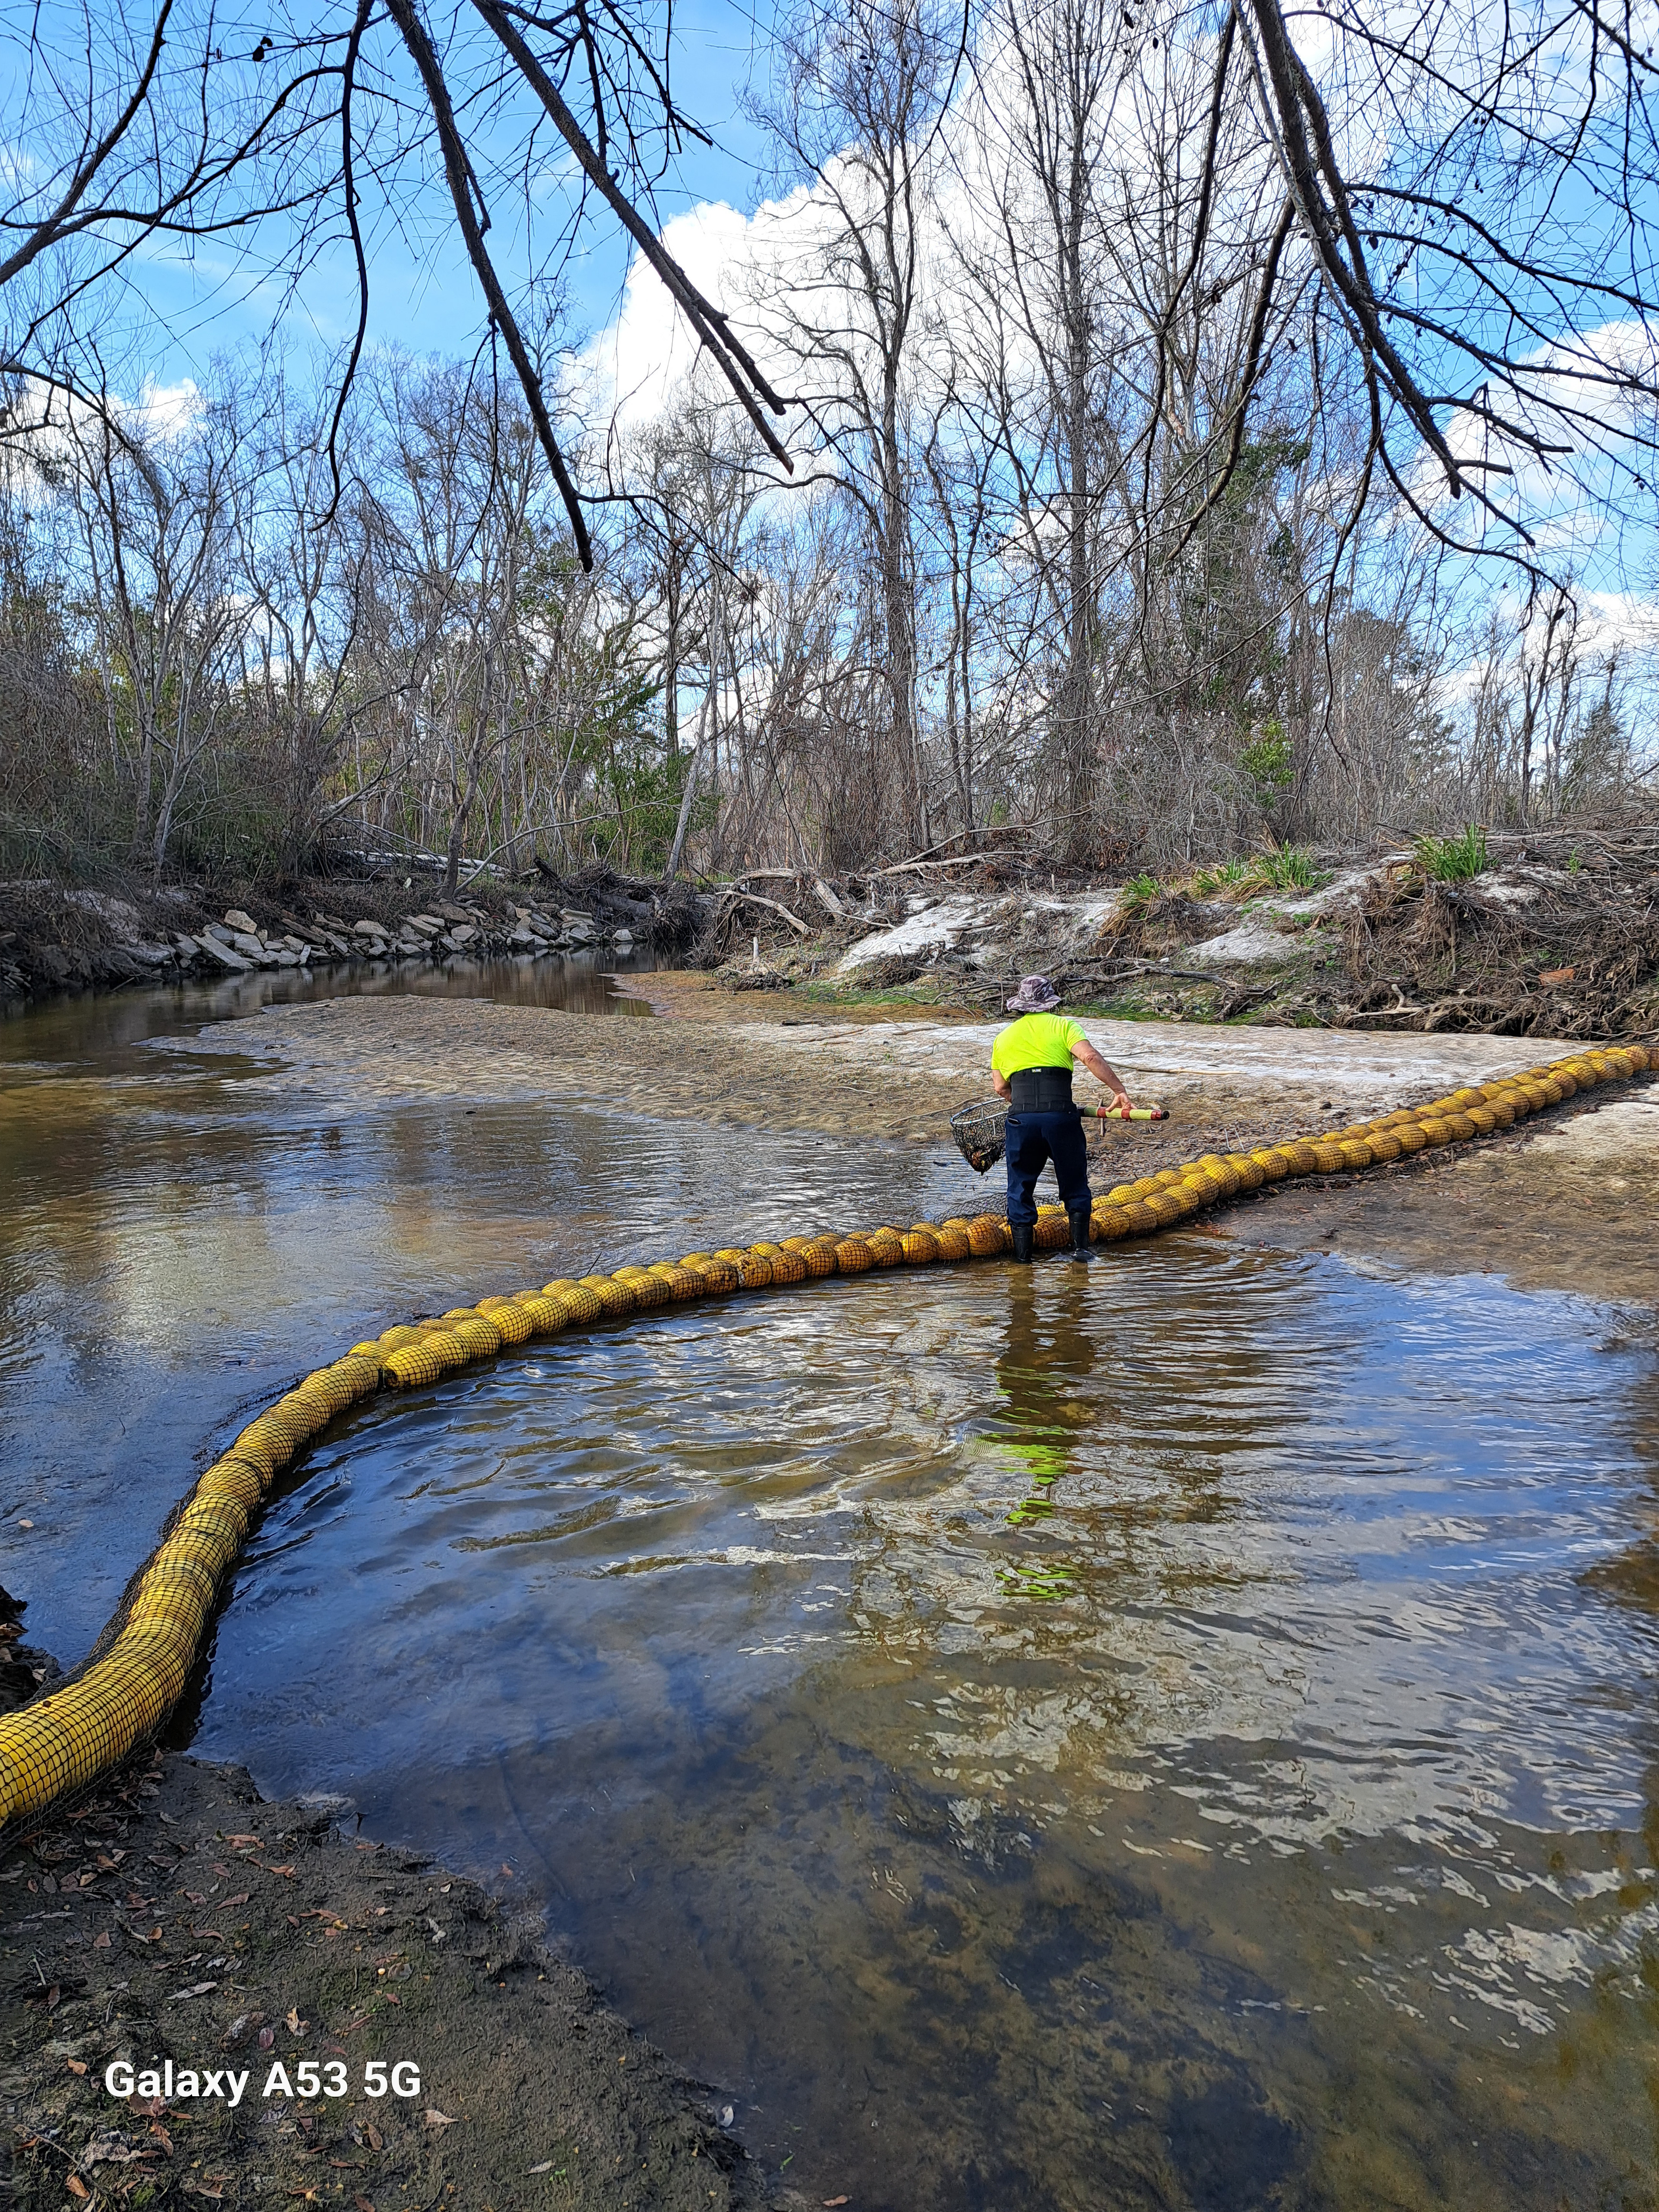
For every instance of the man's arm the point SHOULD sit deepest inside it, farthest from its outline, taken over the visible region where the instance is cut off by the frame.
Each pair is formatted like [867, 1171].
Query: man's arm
[1083, 1051]
[1001, 1085]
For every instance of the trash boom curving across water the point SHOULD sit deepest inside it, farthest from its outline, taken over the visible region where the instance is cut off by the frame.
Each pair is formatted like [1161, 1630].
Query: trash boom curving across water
[55, 1747]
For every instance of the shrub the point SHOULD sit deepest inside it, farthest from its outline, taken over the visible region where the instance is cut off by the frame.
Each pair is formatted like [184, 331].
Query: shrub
[1269, 765]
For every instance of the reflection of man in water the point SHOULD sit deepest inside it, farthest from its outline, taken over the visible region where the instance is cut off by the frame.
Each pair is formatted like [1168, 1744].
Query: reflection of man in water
[1031, 1068]
[1047, 1348]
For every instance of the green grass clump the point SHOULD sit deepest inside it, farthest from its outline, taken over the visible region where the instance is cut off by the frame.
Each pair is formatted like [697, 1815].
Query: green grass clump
[1227, 876]
[1453, 860]
[1292, 868]
[1141, 892]
[1285, 868]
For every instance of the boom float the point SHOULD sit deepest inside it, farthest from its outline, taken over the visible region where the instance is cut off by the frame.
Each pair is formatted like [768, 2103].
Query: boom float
[55, 1747]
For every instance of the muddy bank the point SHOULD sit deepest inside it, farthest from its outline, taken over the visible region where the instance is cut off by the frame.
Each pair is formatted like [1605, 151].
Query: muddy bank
[177, 1920]
[1550, 933]
[55, 939]
[1553, 932]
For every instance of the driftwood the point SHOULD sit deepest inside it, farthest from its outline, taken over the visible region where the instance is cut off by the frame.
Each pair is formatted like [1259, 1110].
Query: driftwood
[753, 898]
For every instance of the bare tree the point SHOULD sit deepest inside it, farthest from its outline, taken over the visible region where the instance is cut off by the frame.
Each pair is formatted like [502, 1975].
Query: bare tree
[1470, 188]
[317, 136]
[157, 508]
[857, 89]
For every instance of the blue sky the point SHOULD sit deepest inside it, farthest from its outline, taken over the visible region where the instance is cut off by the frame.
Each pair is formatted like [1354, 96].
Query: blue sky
[187, 310]
[424, 294]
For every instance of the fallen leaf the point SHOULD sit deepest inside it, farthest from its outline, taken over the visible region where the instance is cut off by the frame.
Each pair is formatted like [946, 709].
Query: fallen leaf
[506, 1870]
[75, 2065]
[162, 2136]
[363, 2205]
[242, 1899]
[1557, 975]
[376, 2140]
[286, 1872]
[293, 2022]
[546, 2166]
[245, 1843]
[437, 2119]
[267, 2037]
[347, 2165]
[835, 2200]
[75, 2186]
[101, 1942]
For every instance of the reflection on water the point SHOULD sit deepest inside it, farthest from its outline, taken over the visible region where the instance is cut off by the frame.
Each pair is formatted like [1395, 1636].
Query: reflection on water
[1140, 1740]
[1176, 1734]
[96, 1027]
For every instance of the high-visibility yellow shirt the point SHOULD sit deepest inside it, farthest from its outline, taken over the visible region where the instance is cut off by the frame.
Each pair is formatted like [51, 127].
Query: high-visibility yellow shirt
[1036, 1041]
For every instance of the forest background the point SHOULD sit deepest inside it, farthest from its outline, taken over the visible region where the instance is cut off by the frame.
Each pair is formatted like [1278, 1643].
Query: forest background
[1056, 451]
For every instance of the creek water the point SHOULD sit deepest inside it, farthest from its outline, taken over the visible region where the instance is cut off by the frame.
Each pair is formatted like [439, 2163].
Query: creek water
[1179, 1733]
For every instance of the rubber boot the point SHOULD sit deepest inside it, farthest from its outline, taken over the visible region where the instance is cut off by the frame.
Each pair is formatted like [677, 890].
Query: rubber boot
[1023, 1234]
[1080, 1227]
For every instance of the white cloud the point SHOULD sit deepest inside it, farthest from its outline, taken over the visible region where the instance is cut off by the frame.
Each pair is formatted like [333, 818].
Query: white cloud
[168, 410]
[645, 356]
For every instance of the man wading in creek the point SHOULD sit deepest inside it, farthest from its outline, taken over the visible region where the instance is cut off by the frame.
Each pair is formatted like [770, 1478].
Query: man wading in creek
[1031, 1068]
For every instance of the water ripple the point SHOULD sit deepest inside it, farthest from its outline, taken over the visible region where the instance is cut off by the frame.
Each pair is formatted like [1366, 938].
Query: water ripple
[1224, 1633]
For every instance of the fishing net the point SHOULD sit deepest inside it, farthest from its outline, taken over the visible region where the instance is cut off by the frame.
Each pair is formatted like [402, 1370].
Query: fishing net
[981, 1132]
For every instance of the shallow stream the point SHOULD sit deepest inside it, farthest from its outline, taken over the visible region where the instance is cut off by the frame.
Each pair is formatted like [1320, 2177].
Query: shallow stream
[1176, 1736]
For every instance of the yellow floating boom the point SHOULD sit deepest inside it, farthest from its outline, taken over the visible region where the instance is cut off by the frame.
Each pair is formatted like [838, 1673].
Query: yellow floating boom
[55, 1747]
